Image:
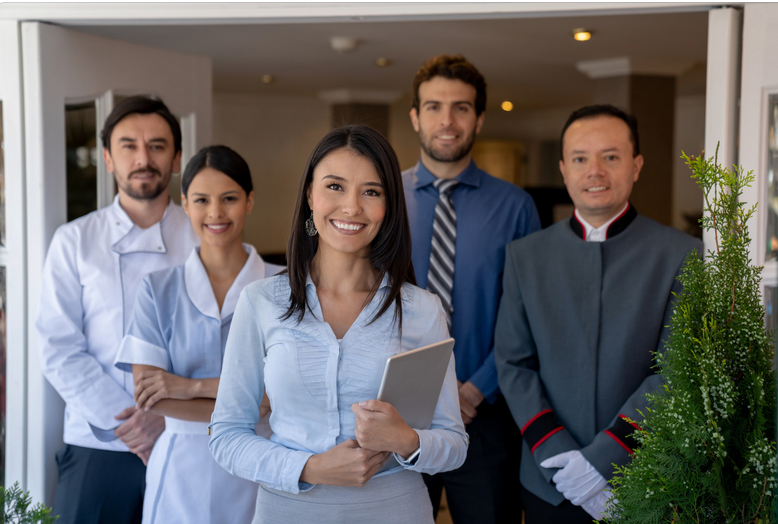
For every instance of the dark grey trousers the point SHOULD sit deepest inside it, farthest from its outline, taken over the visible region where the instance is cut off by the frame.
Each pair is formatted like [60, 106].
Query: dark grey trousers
[538, 511]
[99, 487]
[486, 489]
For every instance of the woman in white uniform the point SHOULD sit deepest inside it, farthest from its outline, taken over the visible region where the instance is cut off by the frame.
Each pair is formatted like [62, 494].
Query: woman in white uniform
[318, 337]
[176, 340]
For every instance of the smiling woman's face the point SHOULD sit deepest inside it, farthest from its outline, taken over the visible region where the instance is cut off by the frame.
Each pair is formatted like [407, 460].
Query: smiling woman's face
[217, 207]
[348, 202]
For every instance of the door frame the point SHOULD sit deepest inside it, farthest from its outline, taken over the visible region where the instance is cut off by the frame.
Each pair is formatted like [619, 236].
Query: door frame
[32, 233]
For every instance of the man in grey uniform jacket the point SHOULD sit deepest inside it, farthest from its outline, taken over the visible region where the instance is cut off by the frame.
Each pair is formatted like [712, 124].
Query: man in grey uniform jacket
[585, 304]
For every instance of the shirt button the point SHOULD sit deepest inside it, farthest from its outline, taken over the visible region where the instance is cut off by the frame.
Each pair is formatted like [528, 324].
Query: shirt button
[159, 248]
[117, 223]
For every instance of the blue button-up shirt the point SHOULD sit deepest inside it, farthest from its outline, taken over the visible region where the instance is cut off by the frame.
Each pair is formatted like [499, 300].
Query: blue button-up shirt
[312, 379]
[490, 214]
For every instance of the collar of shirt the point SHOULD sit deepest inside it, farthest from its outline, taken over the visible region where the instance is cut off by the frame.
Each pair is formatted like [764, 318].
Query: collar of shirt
[129, 238]
[199, 289]
[599, 234]
[470, 176]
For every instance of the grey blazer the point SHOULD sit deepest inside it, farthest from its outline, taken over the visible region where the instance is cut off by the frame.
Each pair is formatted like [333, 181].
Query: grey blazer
[577, 325]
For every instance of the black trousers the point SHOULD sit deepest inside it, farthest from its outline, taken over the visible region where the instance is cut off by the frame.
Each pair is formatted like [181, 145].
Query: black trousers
[486, 488]
[538, 511]
[99, 487]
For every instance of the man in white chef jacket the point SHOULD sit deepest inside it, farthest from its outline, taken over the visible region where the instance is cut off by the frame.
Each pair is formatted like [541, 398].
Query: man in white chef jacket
[93, 268]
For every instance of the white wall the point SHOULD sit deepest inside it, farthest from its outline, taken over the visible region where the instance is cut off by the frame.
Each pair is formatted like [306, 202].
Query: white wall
[275, 135]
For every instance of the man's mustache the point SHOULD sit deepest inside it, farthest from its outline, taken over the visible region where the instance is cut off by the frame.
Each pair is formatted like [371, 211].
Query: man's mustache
[144, 170]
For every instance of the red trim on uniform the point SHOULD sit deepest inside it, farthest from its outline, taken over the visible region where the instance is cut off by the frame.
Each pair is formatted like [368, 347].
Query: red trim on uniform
[633, 424]
[583, 229]
[616, 220]
[619, 442]
[533, 419]
[541, 441]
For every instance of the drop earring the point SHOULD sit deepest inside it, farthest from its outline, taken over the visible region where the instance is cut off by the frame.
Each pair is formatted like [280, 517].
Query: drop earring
[310, 227]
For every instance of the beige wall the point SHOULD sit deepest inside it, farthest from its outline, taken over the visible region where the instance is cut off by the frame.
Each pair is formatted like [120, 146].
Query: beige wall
[275, 134]
[689, 138]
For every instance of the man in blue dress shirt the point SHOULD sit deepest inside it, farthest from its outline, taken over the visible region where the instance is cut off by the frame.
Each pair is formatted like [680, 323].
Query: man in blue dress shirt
[461, 220]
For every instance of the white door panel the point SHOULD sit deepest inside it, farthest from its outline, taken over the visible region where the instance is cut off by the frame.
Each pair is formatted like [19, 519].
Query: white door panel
[60, 66]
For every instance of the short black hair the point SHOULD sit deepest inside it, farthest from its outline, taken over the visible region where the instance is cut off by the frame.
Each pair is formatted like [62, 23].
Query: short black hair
[142, 105]
[222, 159]
[603, 110]
[454, 68]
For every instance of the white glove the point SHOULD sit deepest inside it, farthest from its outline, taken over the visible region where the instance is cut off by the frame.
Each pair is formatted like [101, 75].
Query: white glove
[596, 506]
[578, 481]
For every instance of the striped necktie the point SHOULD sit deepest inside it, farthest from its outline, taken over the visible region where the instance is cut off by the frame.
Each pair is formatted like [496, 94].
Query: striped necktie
[440, 277]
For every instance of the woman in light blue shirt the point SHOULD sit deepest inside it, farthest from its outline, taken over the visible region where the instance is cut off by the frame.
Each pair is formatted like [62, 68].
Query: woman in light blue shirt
[317, 339]
[175, 343]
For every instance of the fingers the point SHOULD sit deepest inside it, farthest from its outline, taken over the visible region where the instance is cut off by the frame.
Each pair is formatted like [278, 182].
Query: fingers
[465, 419]
[143, 397]
[372, 405]
[156, 397]
[558, 461]
[467, 409]
[127, 413]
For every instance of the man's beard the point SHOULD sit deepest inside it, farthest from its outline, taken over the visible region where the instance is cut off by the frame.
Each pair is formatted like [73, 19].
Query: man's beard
[454, 155]
[147, 191]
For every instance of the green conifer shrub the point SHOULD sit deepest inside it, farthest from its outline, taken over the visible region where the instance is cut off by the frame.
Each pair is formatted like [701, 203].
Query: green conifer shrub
[16, 505]
[707, 449]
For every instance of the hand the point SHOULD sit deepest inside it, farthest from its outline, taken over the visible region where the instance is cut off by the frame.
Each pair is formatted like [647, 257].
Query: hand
[597, 506]
[470, 397]
[344, 465]
[139, 431]
[153, 385]
[578, 480]
[264, 407]
[381, 428]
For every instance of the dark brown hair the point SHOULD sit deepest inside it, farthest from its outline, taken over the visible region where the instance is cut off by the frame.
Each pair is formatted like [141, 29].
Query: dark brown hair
[603, 110]
[144, 106]
[390, 251]
[455, 68]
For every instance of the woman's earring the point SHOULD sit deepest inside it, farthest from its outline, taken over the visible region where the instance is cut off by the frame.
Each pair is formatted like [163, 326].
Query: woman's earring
[310, 227]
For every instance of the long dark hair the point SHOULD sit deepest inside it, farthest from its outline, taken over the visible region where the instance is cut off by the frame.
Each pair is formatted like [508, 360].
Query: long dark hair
[390, 251]
[222, 159]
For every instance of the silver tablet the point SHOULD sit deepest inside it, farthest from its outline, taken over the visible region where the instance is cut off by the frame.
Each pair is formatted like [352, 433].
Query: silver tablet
[413, 380]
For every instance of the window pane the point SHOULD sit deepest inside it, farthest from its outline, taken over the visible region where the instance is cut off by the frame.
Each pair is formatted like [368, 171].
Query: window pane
[2, 180]
[772, 183]
[81, 152]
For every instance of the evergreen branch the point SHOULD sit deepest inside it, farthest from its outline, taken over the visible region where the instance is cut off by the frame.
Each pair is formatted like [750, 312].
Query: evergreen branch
[761, 499]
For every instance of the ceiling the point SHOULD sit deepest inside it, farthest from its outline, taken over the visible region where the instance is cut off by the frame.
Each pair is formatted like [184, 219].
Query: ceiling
[530, 61]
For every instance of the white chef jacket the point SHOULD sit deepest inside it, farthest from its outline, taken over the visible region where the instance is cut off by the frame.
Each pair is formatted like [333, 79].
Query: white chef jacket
[93, 269]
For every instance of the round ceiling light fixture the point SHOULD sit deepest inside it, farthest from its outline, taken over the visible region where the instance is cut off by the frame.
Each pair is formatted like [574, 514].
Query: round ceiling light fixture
[507, 106]
[581, 34]
[383, 62]
[267, 79]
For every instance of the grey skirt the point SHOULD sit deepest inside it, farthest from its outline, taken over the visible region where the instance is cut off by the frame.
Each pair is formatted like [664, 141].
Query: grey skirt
[399, 498]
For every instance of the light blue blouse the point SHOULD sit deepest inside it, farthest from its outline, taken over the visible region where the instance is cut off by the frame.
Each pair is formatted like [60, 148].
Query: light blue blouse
[176, 322]
[312, 381]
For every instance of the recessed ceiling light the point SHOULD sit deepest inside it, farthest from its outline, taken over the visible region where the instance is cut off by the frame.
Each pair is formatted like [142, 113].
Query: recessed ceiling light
[581, 34]
[507, 106]
[383, 62]
[267, 79]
